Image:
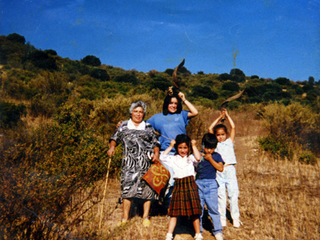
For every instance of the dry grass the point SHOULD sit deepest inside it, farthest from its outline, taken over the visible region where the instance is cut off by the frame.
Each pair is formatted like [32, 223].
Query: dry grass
[278, 199]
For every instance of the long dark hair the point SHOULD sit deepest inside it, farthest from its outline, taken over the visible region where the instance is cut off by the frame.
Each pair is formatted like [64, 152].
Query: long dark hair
[183, 138]
[167, 101]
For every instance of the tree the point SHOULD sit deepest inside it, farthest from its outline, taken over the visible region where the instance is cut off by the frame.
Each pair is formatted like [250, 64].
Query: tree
[14, 37]
[230, 86]
[224, 77]
[311, 80]
[91, 60]
[51, 52]
[205, 92]
[127, 77]
[160, 83]
[237, 75]
[99, 73]
[283, 81]
[41, 60]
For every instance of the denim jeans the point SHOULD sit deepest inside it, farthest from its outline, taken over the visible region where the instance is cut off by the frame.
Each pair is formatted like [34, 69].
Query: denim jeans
[208, 192]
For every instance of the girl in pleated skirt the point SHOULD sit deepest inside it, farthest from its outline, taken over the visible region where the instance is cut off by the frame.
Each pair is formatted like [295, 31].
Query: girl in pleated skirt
[185, 199]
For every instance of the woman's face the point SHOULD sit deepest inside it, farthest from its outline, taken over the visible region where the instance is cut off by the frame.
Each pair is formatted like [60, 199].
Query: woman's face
[183, 149]
[137, 115]
[172, 107]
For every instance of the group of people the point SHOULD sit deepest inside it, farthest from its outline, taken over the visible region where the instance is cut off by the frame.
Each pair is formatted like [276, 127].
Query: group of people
[194, 180]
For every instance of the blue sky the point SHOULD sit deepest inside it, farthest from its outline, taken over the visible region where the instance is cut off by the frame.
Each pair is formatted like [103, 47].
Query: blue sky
[268, 38]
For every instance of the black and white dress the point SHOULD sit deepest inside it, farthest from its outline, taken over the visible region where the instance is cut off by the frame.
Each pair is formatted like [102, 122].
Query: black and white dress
[137, 144]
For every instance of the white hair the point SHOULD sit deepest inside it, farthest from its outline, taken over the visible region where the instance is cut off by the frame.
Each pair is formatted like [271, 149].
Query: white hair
[138, 104]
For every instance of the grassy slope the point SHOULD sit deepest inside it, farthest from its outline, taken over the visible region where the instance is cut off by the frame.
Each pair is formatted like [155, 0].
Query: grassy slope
[278, 199]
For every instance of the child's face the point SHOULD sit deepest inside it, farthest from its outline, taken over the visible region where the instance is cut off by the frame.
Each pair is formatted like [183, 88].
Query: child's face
[208, 150]
[221, 135]
[183, 149]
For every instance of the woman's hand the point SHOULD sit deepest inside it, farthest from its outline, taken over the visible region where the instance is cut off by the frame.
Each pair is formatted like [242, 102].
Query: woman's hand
[182, 96]
[111, 152]
[118, 124]
[112, 148]
[155, 157]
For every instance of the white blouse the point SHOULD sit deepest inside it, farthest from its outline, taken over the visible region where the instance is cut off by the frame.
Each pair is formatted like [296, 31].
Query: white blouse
[181, 167]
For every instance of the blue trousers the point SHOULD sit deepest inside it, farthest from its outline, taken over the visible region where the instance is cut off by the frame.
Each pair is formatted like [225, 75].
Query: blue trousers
[208, 192]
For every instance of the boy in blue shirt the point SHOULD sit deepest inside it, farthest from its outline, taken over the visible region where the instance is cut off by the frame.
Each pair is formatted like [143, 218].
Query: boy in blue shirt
[206, 180]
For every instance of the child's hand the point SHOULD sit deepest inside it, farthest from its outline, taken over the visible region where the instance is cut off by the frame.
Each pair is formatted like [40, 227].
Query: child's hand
[225, 111]
[193, 142]
[172, 143]
[208, 156]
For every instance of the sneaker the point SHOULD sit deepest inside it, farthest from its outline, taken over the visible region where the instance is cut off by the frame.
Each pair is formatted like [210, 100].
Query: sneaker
[223, 222]
[146, 222]
[219, 236]
[198, 236]
[122, 222]
[236, 223]
[169, 236]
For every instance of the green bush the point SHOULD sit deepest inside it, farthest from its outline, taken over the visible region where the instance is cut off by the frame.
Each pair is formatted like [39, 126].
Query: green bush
[278, 147]
[292, 125]
[203, 91]
[41, 172]
[14, 37]
[126, 78]
[41, 60]
[308, 158]
[99, 73]
[91, 60]
[10, 113]
[230, 86]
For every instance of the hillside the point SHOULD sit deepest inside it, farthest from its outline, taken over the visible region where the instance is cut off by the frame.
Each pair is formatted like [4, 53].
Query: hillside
[57, 114]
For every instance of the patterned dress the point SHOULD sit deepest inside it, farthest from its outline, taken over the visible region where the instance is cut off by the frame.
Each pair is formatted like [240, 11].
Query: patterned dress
[136, 146]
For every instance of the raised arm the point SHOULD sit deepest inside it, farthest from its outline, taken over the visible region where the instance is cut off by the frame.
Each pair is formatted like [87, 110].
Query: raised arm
[218, 166]
[232, 125]
[192, 109]
[196, 152]
[215, 122]
[172, 143]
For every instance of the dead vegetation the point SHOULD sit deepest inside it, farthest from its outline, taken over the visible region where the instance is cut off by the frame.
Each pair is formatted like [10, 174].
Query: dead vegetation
[279, 199]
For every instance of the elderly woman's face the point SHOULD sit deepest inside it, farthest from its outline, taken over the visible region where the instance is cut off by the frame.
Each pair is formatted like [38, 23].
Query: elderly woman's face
[172, 107]
[137, 115]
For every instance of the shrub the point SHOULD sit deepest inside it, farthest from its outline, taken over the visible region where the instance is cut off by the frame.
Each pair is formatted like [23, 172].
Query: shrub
[14, 37]
[91, 60]
[278, 147]
[291, 125]
[224, 77]
[40, 174]
[127, 77]
[308, 158]
[99, 73]
[51, 52]
[205, 92]
[283, 81]
[10, 113]
[41, 60]
[161, 83]
[231, 86]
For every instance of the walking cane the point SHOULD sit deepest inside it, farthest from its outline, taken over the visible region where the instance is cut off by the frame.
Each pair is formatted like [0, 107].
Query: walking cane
[104, 193]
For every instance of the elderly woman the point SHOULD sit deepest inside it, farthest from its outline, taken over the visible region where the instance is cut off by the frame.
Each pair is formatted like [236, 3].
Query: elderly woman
[139, 142]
